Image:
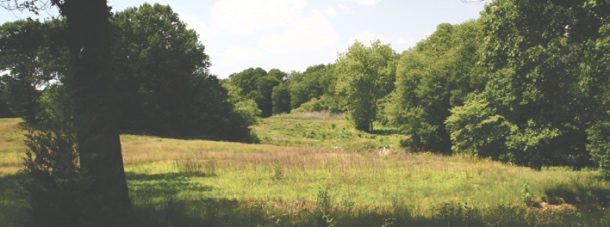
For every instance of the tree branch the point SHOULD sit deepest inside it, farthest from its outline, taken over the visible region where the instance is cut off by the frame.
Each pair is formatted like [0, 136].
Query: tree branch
[33, 6]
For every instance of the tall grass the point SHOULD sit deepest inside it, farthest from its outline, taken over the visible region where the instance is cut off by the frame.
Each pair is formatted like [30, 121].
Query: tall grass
[367, 189]
[193, 183]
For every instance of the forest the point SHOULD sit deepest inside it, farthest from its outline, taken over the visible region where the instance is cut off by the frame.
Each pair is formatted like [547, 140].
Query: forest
[526, 84]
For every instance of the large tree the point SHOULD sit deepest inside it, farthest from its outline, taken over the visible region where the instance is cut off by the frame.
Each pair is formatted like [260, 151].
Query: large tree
[90, 84]
[365, 74]
[164, 82]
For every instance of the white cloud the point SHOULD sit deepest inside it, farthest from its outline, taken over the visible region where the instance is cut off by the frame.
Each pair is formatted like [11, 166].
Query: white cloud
[305, 35]
[203, 29]
[245, 16]
[331, 11]
[238, 54]
[368, 2]
[347, 6]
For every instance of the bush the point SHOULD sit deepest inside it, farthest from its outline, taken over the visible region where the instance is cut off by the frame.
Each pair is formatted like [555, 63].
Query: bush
[56, 185]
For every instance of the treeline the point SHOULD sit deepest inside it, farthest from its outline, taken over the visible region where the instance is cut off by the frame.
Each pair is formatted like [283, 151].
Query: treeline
[160, 69]
[526, 83]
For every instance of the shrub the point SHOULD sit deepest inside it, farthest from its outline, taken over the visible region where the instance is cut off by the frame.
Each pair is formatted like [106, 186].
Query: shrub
[57, 185]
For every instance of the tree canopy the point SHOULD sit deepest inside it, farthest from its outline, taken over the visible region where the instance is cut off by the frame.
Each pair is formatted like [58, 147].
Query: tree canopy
[365, 75]
[164, 81]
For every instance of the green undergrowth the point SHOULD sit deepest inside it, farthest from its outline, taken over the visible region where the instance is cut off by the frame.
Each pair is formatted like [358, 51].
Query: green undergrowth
[177, 182]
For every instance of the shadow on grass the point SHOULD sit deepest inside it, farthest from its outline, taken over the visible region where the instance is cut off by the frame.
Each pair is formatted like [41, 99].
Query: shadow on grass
[592, 195]
[163, 185]
[178, 199]
[175, 199]
[13, 201]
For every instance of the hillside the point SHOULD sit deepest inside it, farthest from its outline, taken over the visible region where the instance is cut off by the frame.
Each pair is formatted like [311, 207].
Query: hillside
[310, 183]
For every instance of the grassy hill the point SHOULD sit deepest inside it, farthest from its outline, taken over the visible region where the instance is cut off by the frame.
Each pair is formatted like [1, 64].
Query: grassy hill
[327, 174]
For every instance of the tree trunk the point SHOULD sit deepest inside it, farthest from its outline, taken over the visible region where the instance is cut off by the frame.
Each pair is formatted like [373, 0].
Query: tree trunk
[90, 83]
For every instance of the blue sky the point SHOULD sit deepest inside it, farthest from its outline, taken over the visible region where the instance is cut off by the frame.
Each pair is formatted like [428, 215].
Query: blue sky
[294, 34]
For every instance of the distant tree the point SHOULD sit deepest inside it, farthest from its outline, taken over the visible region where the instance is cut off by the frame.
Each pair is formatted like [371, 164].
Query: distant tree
[277, 74]
[307, 85]
[280, 95]
[365, 74]
[246, 108]
[31, 67]
[246, 81]
[281, 98]
[256, 84]
[265, 87]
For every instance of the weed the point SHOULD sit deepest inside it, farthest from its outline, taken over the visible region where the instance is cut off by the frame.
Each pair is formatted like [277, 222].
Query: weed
[526, 196]
[323, 200]
[278, 172]
[324, 206]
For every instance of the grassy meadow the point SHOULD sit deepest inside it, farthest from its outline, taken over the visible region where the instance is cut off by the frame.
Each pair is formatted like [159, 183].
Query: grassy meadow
[316, 170]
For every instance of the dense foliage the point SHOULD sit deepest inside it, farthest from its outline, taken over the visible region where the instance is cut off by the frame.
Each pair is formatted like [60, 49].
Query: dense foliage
[547, 76]
[165, 85]
[160, 67]
[432, 78]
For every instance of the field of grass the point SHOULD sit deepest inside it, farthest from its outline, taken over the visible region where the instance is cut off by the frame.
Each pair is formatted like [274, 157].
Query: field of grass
[313, 183]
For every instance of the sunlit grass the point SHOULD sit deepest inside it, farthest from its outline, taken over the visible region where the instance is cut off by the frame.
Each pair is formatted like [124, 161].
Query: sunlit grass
[193, 182]
[12, 148]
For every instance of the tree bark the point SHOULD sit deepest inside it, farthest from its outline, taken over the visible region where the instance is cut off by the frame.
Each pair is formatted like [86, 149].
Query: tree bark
[96, 115]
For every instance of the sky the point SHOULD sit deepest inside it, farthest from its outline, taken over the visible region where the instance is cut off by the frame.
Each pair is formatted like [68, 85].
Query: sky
[294, 34]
